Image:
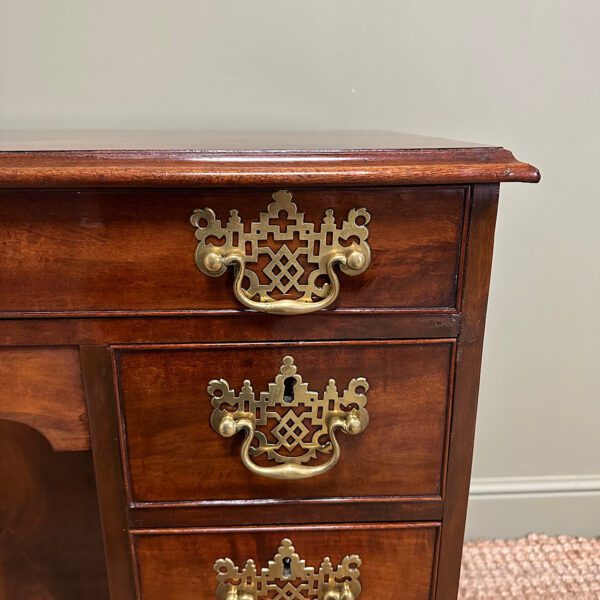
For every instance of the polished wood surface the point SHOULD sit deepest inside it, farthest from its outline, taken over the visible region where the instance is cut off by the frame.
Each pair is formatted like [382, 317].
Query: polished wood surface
[99, 260]
[396, 559]
[229, 326]
[50, 541]
[278, 512]
[246, 158]
[134, 251]
[175, 456]
[41, 387]
[478, 267]
[96, 363]
[217, 141]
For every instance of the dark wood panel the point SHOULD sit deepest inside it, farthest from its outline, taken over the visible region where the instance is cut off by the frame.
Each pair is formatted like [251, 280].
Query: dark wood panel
[394, 557]
[99, 385]
[235, 326]
[51, 543]
[466, 387]
[134, 251]
[272, 512]
[174, 455]
[41, 387]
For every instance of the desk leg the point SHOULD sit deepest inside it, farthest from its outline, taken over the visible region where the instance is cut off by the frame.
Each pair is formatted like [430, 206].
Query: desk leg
[99, 386]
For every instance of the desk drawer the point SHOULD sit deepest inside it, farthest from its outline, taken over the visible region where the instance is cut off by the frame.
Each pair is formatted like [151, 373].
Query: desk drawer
[179, 564]
[175, 399]
[110, 250]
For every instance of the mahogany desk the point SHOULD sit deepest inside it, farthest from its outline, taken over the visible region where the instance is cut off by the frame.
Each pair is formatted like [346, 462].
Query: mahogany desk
[230, 347]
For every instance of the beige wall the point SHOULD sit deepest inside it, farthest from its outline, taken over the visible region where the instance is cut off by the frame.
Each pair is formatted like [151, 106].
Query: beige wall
[520, 73]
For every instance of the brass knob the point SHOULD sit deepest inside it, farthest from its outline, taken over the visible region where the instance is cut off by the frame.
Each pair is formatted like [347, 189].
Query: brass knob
[227, 426]
[213, 262]
[356, 260]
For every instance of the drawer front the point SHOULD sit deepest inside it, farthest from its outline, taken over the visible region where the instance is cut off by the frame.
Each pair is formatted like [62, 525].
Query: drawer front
[173, 397]
[179, 565]
[134, 250]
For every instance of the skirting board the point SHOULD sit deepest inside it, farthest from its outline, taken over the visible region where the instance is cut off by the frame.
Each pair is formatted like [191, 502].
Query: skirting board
[508, 507]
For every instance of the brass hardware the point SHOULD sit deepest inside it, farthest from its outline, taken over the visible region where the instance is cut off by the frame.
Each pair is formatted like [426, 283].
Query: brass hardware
[291, 271]
[288, 578]
[303, 424]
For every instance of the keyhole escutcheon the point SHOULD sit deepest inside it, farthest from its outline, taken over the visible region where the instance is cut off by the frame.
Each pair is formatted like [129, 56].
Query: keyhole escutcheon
[288, 389]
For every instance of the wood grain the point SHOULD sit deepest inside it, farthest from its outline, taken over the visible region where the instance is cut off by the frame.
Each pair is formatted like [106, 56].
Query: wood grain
[478, 266]
[134, 251]
[222, 141]
[278, 512]
[50, 543]
[231, 326]
[97, 370]
[99, 254]
[251, 159]
[41, 387]
[179, 564]
[174, 455]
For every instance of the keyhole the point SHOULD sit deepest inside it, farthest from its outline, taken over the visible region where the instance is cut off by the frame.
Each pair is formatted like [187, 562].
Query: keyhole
[287, 567]
[288, 389]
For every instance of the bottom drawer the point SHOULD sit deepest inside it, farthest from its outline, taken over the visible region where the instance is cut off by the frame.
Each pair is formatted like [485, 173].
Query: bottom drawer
[394, 560]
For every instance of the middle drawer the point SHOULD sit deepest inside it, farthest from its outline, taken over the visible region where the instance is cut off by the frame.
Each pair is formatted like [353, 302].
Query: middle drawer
[320, 420]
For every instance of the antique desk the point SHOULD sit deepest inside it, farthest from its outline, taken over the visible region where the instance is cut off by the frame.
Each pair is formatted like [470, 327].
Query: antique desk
[270, 347]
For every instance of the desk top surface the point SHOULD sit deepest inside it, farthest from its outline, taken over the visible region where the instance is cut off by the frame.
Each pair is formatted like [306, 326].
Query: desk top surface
[220, 141]
[184, 158]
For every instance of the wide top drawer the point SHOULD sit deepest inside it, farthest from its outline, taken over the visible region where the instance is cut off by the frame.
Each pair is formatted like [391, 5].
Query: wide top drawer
[134, 251]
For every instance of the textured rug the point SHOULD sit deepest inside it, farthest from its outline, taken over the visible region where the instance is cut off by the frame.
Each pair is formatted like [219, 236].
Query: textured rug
[532, 568]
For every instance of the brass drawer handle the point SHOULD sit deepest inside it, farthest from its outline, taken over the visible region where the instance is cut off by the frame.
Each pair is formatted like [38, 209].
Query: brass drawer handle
[288, 577]
[275, 422]
[290, 269]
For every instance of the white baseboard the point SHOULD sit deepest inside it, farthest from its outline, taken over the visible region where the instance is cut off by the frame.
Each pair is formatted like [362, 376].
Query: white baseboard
[507, 507]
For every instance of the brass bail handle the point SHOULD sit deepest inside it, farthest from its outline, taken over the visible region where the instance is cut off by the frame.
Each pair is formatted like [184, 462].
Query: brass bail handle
[275, 422]
[320, 251]
[343, 592]
[229, 426]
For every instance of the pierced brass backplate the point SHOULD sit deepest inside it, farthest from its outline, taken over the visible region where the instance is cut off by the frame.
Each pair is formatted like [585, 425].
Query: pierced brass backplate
[297, 254]
[288, 578]
[289, 424]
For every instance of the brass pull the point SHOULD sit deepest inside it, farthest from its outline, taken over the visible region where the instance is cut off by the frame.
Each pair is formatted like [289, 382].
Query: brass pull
[283, 412]
[289, 270]
[288, 577]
